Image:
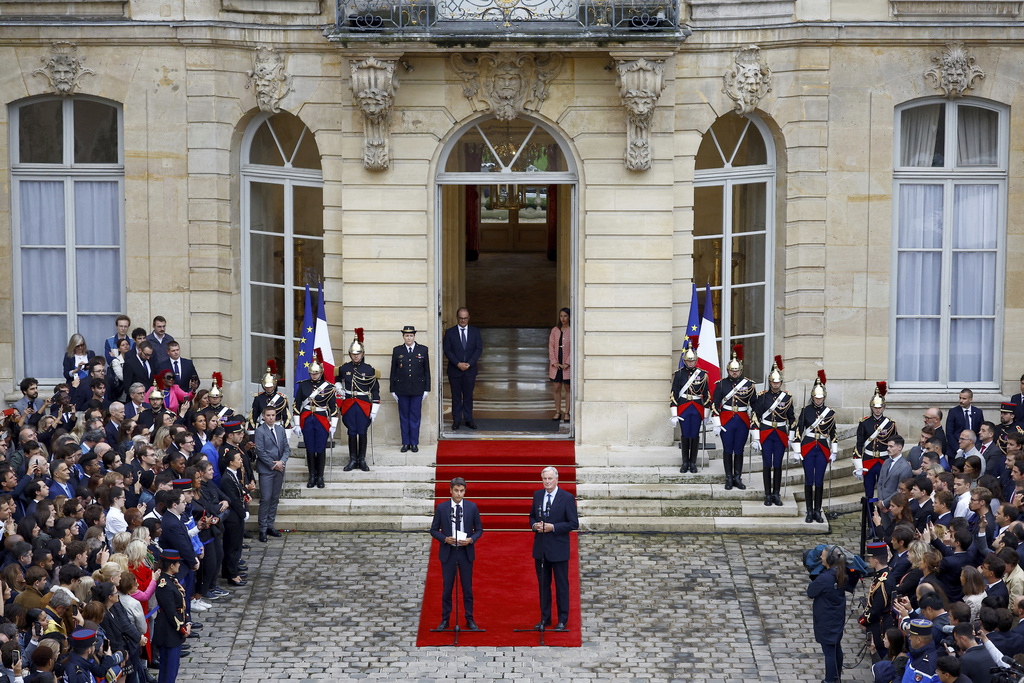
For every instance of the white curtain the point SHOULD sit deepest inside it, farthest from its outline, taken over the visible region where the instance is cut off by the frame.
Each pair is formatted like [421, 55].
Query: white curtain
[918, 129]
[919, 282]
[96, 218]
[977, 136]
[917, 350]
[971, 338]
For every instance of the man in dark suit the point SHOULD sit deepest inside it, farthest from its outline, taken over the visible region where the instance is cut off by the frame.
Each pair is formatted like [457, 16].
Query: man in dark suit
[953, 560]
[457, 527]
[965, 416]
[113, 425]
[159, 339]
[185, 375]
[552, 518]
[139, 366]
[462, 347]
[933, 419]
[272, 452]
[1018, 399]
[136, 402]
[410, 384]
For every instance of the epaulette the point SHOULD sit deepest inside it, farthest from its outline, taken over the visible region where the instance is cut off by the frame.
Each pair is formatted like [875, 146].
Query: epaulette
[163, 582]
[866, 417]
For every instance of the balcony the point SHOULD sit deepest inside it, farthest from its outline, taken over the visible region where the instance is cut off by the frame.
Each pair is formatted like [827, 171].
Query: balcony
[458, 21]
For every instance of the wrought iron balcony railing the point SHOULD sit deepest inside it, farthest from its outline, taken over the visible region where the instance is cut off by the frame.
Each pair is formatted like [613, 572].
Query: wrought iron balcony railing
[476, 17]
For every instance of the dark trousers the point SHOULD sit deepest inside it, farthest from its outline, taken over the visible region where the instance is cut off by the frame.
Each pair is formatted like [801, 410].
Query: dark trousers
[870, 479]
[833, 661]
[772, 451]
[187, 579]
[462, 397]
[560, 571]
[815, 464]
[232, 548]
[170, 659]
[409, 410]
[210, 567]
[459, 559]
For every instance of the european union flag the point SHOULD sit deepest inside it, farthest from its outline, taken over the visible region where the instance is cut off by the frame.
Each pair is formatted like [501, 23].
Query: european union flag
[693, 324]
[306, 337]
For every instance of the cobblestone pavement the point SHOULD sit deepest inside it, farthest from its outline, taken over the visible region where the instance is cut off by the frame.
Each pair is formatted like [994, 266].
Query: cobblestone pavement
[656, 607]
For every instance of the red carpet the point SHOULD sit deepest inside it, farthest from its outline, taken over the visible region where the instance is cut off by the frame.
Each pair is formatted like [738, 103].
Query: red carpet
[501, 477]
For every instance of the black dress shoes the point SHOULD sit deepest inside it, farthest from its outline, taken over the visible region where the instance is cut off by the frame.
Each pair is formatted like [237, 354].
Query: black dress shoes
[728, 483]
[471, 625]
[738, 483]
[274, 532]
[471, 424]
[456, 425]
[561, 626]
[414, 448]
[541, 624]
[443, 625]
[263, 537]
[405, 447]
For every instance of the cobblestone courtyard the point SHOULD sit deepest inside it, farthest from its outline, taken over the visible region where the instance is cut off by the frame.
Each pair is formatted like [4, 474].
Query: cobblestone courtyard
[656, 607]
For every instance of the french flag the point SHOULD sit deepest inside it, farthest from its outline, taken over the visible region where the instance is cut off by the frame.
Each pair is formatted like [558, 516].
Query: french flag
[707, 347]
[322, 341]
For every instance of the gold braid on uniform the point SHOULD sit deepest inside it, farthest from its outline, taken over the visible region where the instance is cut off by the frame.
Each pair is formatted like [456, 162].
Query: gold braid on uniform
[363, 384]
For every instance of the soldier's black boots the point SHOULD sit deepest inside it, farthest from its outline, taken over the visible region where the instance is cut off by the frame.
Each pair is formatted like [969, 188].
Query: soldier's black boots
[312, 470]
[321, 462]
[362, 454]
[353, 453]
[737, 471]
[777, 486]
[818, 517]
[766, 475]
[809, 503]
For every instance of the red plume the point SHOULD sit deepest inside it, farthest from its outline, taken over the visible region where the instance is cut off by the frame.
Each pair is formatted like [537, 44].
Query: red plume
[272, 364]
[821, 376]
[359, 334]
[883, 388]
[218, 379]
[319, 356]
[778, 362]
[739, 351]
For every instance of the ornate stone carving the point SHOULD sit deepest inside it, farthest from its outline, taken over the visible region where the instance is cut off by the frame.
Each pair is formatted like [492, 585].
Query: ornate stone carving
[374, 85]
[268, 79]
[955, 71]
[640, 83]
[506, 83]
[63, 68]
[748, 80]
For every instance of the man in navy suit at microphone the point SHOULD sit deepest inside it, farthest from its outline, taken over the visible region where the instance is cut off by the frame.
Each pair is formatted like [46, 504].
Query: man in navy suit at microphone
[553, 517]
[457, 526]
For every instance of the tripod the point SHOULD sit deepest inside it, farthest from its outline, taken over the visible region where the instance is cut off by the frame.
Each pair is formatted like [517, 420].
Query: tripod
[456, 522]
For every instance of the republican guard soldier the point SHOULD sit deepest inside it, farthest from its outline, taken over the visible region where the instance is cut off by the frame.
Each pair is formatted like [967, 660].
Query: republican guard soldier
[410, 385]
[873, 434]
[730, 412]
[689, 401]
[270, 397]
[773, 429]
[318, 418]
[217, 409]
[360, 399]
[816, 431]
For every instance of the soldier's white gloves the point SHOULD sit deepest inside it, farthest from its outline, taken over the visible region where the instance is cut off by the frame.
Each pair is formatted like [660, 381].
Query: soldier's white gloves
[835, 453]
[716, 425]
[755, 439]
[297, 431]
[675, 418]
[334, 424]
[858, 468]
[373, 411]
[425, 394]
[394, 396]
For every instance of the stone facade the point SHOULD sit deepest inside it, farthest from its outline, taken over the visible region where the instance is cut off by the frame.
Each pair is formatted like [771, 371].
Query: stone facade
[183, 78]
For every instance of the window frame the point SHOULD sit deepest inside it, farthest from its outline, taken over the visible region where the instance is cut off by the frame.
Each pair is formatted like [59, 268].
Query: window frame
[289, 178]
[68, 173]
[727, 177]
[949, 176]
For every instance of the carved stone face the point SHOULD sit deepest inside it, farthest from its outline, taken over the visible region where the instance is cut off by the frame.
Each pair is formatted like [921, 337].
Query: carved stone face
[748, 81]
[955, 70]
[639, 103]
[374, 102]
[63, 68]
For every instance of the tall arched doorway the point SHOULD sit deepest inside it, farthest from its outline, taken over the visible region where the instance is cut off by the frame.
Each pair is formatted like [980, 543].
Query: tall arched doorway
[506, 197]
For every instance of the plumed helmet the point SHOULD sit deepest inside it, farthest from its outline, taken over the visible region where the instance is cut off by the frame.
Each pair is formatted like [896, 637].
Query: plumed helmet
[270, 379]
[736, 362]
[818, 390]
[878, 400]
[357, 343]
[159, 385]
[689, 351]
[218, 381]
[776, 372]
[318, 361]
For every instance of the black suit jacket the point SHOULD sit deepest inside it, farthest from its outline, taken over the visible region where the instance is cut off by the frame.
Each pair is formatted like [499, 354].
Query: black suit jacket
[111, 434]
[441, 527]
[232, 489]
[173, 534]
[1019, 400]
[956, 423]
[410, 372]
[554, 546]
[188, 371]
[135, 371]
[455, 354]
[69, 365]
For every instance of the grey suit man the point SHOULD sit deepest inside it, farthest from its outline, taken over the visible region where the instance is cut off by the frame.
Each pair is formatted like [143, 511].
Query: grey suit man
[894, 469]
[272, 453]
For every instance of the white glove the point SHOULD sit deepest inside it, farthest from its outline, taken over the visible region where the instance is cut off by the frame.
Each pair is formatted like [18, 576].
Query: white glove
[835, 453]
[334, 424]
[792, 436]
[394, 396]
[717, 429]
[373, 411]
[297, 431]
[246, 515]
[716, 425]
[339, 389]
[674, 420]
[425, 394]
[707, 420]
[858, 468]
[756, 444]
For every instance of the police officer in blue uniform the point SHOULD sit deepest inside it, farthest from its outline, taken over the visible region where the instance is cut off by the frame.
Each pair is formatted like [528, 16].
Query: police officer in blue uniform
[82, 665]
[270, 397]
[360, 400]
[730, 412]
[317, 404]
[689, 400]
[773, 429]
[410, 384]
[873, 434]
[816, 431]
[921, 649]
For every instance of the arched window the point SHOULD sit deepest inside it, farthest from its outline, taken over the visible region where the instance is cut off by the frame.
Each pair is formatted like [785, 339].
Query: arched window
[67, 173]
[949, 230]
[733, 234]
[283, 238]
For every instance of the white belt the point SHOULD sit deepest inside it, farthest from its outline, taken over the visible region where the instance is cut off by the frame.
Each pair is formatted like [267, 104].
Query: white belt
[871, 454]
[692, 397]
[741, 409]
[776, 425]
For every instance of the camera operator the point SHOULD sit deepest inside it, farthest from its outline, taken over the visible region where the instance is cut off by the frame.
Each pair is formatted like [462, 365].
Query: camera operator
[828, 591]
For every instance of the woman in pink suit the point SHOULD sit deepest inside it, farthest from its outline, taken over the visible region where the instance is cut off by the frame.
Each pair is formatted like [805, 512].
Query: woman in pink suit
[559, 360]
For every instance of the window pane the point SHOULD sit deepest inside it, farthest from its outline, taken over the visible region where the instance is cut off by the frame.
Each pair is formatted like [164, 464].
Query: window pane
[751, 151]
[263, 149]
[920, 217]
[286, 129]
[308, 204]
[708, 155]
[728, 130]
[44, 280]
[266, 260]
[977, 136]
[922, 136]
[917, 350]
[309, 261]
[267, 309]
[266, 207]
[707, 262]
[96, 329]
[45, 340]
[919, 278]
[749, 207]
[307, 156]
[707, 210]
[264, 348]
[747, 259]
[753, 357]
[96, 218]
[971, 344]
[975, 217]
[537, 150]
[95, 133]
[41, 134]
[974, 283]
[42, 212]
[99, 280]
[747, 310]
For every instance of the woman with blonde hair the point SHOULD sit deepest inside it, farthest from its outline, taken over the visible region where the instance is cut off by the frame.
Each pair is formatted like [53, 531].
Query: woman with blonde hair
[162, 441]
[119, 543]
[76, 358]
[110, 572]
[973, 583]
[908, 584]
[83, 591]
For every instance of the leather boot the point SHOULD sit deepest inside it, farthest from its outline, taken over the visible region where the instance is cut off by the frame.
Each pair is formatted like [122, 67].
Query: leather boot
[737, 471]
[362, 454]
[777, 486]
[311, 469]
[818, 517]
[766, 475]
[353, 453]
[684, 448]
[694, 443]
[321, 462]
[727, 461]
[809, 503]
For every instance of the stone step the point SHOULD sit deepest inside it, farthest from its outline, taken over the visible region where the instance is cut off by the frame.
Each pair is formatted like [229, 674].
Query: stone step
[360, 489]
[294, 522]
[625, 509]
[397, 473]
[349, 506]
[746, 525]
